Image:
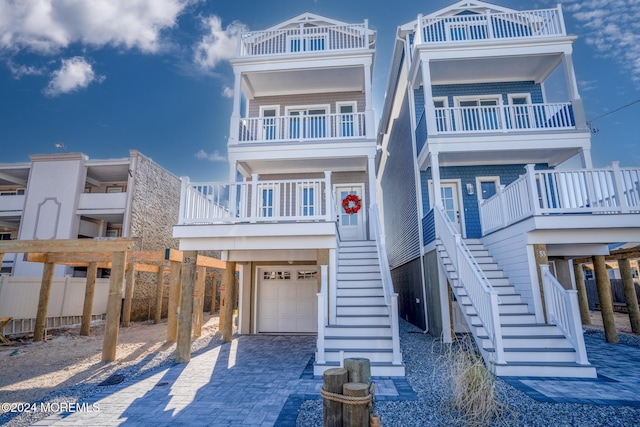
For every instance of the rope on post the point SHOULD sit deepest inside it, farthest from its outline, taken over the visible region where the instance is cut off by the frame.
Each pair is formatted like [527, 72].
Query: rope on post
[348, 400]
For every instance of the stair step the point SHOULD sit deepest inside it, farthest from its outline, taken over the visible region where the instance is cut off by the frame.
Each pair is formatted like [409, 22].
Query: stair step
[537, 341]
[508, 318]
[362, 319]
[359, 269]
[373, 354]
[503, 298]
[358, 342]
[545, 369]
[355, 275]
[360, 283]
[357, 243]
[502, 290]
[515, 308]
[378, 369]
[360, 300]
[360, 292]
[357, 255]
[355, 330]
[358, 261]
[342, 310]
[358, 249]
[538, 354]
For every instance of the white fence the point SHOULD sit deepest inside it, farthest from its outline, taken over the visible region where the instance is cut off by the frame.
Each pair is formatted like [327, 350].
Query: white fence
[19, 299]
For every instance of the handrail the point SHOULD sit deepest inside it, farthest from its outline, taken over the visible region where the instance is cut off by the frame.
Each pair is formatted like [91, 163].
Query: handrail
[563, 310]
[322, 313]
[390, 296]
[484, 298]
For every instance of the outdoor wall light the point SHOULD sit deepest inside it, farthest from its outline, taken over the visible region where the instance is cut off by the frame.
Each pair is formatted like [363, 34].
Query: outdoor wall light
[470, 189]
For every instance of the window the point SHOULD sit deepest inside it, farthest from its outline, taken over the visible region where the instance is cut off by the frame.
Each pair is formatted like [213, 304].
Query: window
[487, 186]
[267, 206]
[479, 113]
[346, 119]
[276, 275]
[307, 122]
[5, 236]
[307, 275]
[307, 199]
[115, 189]
[269, 123]
[519, 113]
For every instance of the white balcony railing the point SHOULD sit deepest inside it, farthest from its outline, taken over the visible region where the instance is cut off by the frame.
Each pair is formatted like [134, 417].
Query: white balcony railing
[612, 190]
[11, 203]
[89, 201]
[297, 128]
[489, 26]
[255, 201]
[504, 118]
[304, 40]
[484, 298]
[563, 311]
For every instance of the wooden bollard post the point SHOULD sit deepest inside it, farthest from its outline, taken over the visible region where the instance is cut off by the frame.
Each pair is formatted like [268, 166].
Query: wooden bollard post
[185, 316]
[355, 415]
[332, 381]
[89, 292]
[359, 369]
[198, 301]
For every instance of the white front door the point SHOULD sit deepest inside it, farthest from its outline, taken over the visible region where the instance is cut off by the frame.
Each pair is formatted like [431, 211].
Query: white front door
[350, 224]
[451, 203]
[287, 299]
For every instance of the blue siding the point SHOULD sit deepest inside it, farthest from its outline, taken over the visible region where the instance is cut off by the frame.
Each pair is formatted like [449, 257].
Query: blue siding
[503, 88]
[428, 228]
[467, 175]
[399, 200]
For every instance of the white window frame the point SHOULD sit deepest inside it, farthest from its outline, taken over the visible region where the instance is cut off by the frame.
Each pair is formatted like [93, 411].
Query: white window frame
[479, 98]
[327, 111]
[443, 123]
[480, 119]
[526, 95]
[275, 208]
[356, 119]
[481, 179]
[512, 110]
[305, 42]
[261, 127]
[315, 203]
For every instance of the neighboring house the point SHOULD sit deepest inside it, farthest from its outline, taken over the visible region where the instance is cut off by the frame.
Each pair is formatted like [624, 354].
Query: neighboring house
[473, 193]
[69, 196]
[301, 193]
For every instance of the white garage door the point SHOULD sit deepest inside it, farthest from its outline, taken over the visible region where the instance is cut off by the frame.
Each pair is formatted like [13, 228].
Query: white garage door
[287, 300]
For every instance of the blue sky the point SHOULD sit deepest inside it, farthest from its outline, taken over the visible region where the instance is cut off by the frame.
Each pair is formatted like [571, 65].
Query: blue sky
[105, 76]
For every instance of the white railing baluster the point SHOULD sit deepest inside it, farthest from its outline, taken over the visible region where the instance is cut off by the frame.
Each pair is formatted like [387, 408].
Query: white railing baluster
[322, 313]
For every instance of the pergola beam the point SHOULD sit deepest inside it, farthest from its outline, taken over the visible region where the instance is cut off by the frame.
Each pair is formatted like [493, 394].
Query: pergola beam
[66, 245]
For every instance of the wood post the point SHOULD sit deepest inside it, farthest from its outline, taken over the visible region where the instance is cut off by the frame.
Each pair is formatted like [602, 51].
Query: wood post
[89, 291]
[355, 415]
[333, 380]
[583, 302]
[174, 302]
[630, 295]
[604, 297]
[43, 301]
[128, 294]
[159, 290]
[359, 369]
[114, 302]
[187, 286]
[227, 299]
[214, 292]
[198, 301]
[540, 254]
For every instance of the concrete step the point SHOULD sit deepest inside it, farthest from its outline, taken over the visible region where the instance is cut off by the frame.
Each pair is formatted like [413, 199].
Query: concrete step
[355, 330]
[373, 354]
[360, 292]
[342, 310]
[524, 354]
[363, 319]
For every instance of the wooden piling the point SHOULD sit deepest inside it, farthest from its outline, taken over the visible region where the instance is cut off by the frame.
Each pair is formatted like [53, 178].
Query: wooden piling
[540, 254]
[174, 302]
[227, 300]
[604, 297]
[359, 369]
[187, 286]
[355, 415]
[630, 295]
[214, 292]
[112, 322]
[159, 291]
[128, 294]
[583, 302]
[89, 291]
[43, 301]
[332, 381]
[198, 301]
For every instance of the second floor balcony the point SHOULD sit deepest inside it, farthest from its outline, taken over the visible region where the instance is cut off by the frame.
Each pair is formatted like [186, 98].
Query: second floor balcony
[311, 127]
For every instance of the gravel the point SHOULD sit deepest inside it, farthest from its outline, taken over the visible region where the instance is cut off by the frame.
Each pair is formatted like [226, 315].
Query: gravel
[426, 372]
[123, 373]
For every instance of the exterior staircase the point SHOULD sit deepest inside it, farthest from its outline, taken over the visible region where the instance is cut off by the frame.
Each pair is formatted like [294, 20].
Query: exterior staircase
[530, 348]
[362, 325]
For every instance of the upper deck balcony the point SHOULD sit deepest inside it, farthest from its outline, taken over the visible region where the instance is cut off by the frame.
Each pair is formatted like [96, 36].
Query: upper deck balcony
[303, 39]
[473, 27]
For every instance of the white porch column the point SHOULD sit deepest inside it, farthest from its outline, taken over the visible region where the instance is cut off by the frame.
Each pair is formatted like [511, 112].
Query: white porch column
[585, 158]
[368, 108]
[233, 189]
[435, 178]
[234, 126]
[572, 87]
[373, 196]
[255, 198]
[429, 109]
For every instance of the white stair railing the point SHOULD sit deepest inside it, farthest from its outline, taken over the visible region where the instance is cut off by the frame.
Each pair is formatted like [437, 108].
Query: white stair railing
[322, 313]
[390, 296]
[563, 310]
[484, 298]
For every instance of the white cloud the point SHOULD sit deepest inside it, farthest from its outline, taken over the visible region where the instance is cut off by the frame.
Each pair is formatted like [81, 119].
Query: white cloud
[227, 92]
[612, 27]
[47, 26]
[218, 44]
[76, 73]
[214, 156]
[19, 70]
